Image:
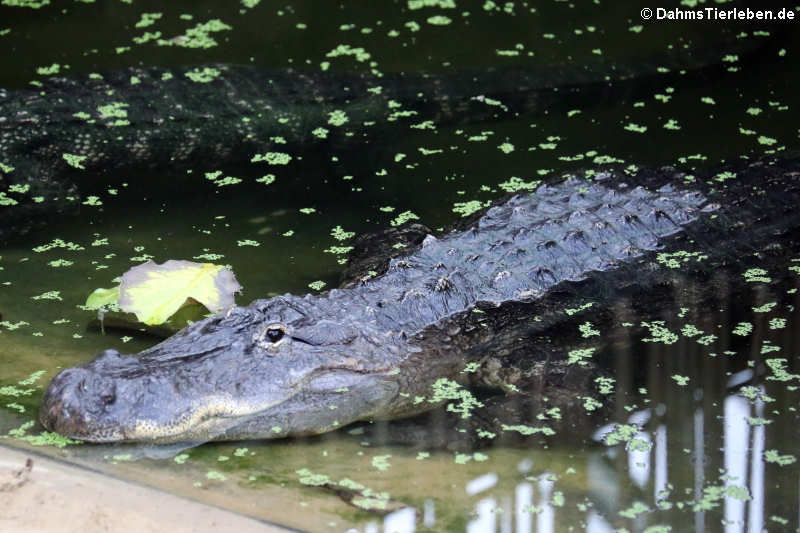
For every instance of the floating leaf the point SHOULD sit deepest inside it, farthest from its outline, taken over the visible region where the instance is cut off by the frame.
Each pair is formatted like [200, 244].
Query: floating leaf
[154, 292]
[102, 297]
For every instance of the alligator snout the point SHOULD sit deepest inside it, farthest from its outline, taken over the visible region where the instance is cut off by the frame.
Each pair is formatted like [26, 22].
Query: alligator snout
[77, 401]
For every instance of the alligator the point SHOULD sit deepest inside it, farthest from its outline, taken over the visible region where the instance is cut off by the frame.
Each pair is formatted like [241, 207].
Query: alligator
[84, 130]
[478, 306]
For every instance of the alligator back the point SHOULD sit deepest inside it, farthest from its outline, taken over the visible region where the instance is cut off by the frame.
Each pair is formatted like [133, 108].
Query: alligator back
[504, 292]
[521, 249]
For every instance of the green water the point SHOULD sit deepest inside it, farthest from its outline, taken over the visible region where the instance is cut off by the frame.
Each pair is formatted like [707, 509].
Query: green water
[708, 455]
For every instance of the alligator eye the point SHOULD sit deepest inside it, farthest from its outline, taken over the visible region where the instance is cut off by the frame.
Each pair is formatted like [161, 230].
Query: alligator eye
[271, 337]
[274, 334]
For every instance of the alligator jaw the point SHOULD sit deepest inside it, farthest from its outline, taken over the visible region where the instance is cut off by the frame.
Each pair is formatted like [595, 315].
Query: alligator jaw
[114, 398]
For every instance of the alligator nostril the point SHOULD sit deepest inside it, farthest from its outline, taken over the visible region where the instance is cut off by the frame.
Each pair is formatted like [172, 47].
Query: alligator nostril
[108, 394]
[85, 390]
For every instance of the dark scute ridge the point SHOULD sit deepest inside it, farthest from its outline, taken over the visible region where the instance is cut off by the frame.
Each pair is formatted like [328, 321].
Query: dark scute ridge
[523, 247]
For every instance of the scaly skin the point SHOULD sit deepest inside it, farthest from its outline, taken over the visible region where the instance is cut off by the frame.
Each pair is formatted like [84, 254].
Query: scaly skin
[291, 366]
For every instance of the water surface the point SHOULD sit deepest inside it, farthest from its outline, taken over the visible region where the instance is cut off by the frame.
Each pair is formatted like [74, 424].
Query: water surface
[707, 444]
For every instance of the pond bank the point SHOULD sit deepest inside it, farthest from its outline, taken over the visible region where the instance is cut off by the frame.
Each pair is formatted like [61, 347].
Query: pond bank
[55, 496]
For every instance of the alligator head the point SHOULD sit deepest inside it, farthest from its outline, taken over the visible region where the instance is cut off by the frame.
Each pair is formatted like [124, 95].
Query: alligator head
[267, 370]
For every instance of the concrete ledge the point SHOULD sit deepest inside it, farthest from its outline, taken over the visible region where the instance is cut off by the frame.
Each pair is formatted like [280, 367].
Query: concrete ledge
[58, 497]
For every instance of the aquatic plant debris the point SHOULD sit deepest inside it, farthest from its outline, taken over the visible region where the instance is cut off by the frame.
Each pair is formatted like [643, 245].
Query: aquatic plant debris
[155, 292]
[76, 161]
[102, 297]
[272, 158]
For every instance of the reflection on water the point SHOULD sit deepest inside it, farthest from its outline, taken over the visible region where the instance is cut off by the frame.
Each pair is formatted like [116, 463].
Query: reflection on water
[530, 508]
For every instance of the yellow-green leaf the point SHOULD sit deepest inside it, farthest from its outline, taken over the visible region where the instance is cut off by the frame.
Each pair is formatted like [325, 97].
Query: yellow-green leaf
[154, 292]
[102, 297]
